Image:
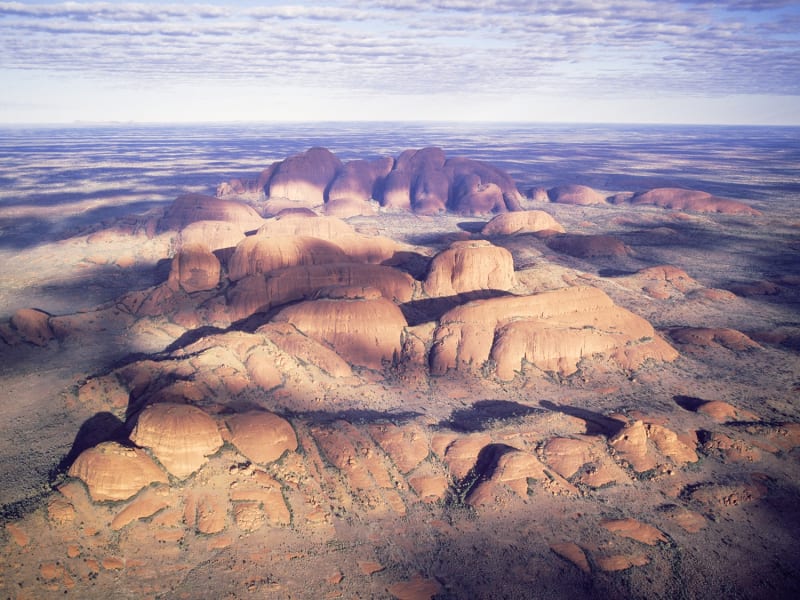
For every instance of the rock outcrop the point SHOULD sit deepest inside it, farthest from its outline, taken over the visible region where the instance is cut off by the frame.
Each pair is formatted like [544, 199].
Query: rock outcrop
[553, 331]
[360, 324]
[190, 208]
[518, 222]
[692, 200]
[470, 266]
[180, 436]
[580, 195]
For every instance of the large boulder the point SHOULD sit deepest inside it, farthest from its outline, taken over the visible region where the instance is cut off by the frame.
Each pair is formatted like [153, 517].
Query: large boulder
[553, 330]
[360, 324]
[294, 223]
[180, 436]
[691, 200]
[190, 208]
[114, 472]
[469, 266]
[214, 235]
[357, 183]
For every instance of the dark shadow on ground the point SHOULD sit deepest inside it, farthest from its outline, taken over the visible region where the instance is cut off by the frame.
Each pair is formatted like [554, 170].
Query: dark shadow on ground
[482, 414]
[432, 309]
[595, 422]
[102, 427]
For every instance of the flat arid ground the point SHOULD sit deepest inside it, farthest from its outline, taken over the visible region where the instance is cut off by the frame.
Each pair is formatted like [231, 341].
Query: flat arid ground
[427, 362]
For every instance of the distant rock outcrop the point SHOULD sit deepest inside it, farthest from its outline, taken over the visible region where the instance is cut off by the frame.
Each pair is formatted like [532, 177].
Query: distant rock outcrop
[263, 253]
[692, 200]
[304, 176]
[423, 181]
[525, 221]
[552, 330]
[581, 195]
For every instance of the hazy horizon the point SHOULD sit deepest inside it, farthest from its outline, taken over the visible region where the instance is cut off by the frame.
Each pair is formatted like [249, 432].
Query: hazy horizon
[583, 61]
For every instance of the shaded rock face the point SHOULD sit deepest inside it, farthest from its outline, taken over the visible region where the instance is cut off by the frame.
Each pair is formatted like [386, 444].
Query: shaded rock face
[190, 208]
[423, 181]
[580, 195]
[32, 326]
[692, 200]
[262, 254]
[470, 266]
[195, 269]
[357, 322]
[553, 331]
[257, 293]
[305, 176]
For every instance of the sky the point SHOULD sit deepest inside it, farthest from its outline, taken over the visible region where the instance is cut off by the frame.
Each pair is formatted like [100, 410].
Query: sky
[618, 61]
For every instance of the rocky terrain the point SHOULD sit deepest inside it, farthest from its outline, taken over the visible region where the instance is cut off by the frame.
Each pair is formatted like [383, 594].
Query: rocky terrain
[405, 378]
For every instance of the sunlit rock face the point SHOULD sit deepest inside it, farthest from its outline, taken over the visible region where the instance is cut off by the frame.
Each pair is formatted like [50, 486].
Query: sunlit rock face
[553, 331]
[692, 200]
[357, 322]
[180, 436]
[189, 208]
[470, 266]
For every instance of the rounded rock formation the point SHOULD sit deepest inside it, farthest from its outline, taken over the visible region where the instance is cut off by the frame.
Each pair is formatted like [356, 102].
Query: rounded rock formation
[580, 195]
[469, 266]
[180, 436]
[263, 254]
[189, 208]
[263, 437]
[526, 221]
[360, 324]
[692, 200]
[113, 472]
[195, 268]
[304, 177]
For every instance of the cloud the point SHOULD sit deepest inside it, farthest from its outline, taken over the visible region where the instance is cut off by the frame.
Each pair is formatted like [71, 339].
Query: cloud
[586, 48]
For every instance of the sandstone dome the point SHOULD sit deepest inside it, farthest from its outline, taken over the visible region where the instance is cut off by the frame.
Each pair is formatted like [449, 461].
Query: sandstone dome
[114, 472]
[581, 195]
[190, 208]
[317, 226]
[257, 293]
[360, 324]
[262, 254]
[180, 436]
[552, 330]
[692, 200]
[588, 246]
[195, 268]
[214, 235]
[304, 177]
[523, 221]
[263, 437]
[358, 182]
[469, 266]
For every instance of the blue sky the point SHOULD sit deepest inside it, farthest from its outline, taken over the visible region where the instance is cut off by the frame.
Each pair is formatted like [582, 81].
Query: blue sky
[641, 61]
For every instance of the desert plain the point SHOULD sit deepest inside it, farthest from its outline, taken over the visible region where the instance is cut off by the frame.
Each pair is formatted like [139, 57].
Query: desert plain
[440, 366]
